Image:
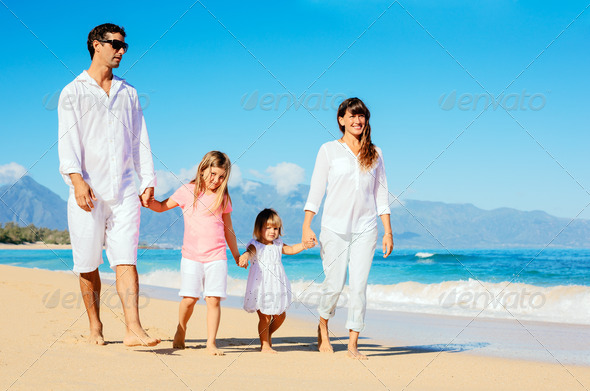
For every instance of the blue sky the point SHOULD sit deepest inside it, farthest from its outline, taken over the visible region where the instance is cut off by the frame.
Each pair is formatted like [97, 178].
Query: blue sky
[218, 75]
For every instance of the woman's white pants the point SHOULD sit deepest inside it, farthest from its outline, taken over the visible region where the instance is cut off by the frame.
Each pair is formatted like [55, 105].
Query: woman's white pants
[339, 252]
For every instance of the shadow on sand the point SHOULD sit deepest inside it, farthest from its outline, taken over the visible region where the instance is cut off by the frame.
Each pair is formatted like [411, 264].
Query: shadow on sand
[309, 344]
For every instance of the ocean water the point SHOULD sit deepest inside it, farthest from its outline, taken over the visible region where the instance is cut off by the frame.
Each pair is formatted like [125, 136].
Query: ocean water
[552, 285]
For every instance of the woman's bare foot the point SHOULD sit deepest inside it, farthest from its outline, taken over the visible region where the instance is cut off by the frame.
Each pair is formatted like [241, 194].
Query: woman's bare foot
[178, 342]
[268, 349]
[355, 354]
[324, 345]
[138, 337]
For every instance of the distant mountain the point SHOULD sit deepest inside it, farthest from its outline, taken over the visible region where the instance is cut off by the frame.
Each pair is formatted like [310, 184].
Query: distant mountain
[424, 224]
[416, 224]
[28, 202]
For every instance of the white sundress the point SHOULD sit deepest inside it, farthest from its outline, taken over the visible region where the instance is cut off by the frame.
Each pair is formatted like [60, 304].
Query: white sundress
[268, 288]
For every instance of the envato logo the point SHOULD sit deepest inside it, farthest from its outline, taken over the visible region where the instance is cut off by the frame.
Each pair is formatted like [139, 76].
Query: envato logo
[50, 101]
[510, 102]
[306, 299]
[286, 101]
[69, 300]
[521, 300]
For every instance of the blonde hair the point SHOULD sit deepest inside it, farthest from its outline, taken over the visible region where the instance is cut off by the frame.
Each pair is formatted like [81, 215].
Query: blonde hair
[265, 217]
[218, 160]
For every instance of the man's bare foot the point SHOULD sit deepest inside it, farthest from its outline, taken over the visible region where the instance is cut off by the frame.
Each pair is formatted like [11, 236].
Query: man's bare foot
[178, 342]
[355, 354]
[138, 337]
[268, 349]
[214, 351]
[324, 345]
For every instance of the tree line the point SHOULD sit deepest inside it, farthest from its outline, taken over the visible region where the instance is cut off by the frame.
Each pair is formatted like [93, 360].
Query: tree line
[15, 234]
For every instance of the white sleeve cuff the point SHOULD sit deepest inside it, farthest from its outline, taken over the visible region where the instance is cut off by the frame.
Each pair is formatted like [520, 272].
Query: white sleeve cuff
[311, 207]
[384, 210]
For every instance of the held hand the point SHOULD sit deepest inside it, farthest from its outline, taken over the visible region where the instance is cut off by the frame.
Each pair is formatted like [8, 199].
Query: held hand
[308, 237]
[84, 195]
[243, 261]
[309, 244]
[387, 245]
[147, 196]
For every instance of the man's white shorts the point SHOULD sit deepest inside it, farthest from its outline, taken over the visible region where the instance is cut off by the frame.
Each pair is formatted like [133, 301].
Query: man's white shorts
[203, 279]
[112, 224]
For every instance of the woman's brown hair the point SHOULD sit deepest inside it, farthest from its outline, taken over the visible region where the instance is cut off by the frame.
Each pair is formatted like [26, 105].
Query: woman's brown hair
[368, 155]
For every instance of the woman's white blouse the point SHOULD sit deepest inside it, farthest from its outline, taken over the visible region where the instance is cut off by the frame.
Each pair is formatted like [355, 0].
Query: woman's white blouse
[354, 197]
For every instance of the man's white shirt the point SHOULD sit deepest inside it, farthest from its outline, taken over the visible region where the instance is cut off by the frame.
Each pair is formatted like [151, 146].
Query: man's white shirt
[104, 138]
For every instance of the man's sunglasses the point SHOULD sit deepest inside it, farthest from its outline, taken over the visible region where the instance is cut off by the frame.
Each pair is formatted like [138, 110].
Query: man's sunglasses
[115, 43]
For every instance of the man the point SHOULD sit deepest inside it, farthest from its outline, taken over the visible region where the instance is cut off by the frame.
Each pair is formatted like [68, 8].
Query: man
[103, 141]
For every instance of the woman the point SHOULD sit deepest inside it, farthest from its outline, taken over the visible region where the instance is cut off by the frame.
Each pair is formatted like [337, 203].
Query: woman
[352, 169]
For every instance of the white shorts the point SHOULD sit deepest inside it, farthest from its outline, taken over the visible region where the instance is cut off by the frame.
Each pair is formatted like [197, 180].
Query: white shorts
[114, 225]
[200, 279]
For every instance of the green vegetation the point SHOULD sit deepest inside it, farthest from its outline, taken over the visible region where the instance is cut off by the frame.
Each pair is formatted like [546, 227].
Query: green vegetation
[13, 233]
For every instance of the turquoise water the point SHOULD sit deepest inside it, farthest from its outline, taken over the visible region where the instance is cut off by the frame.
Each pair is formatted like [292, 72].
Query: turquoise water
[551, 285]
[551, 267]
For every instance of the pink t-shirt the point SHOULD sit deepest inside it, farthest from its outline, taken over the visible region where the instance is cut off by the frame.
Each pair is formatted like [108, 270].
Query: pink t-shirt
[204, 236]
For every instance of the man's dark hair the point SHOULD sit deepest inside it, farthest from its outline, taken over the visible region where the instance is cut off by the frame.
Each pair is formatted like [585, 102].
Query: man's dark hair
[100, 32]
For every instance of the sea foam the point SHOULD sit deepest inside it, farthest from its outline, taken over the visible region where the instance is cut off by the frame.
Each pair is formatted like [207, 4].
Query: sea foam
[563, 303]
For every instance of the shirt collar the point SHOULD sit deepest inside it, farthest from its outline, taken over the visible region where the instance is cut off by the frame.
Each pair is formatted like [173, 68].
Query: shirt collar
[115, 87]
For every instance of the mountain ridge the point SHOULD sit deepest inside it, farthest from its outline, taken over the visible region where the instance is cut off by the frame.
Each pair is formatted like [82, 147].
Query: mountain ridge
[416, 224]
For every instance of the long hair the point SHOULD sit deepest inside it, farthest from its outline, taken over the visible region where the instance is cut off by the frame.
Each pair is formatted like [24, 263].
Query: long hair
[368, 155]
[267, 216]
[213, 159]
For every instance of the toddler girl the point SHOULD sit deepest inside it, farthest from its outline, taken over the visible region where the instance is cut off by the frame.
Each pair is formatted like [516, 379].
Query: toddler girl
[268, 291]
[206, 207]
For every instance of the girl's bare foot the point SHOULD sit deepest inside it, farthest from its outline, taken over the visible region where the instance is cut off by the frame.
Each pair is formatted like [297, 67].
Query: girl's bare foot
[355, 354]
[178, 342]
[214, 351]
[324, 345]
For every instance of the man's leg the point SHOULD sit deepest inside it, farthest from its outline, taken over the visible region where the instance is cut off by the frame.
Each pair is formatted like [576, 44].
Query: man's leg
[90, 288]
[128, 290]
[86, 234]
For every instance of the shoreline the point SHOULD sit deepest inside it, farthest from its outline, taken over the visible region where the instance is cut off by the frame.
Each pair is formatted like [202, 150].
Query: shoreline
[486, 337]
[50, 246]
[35, 246]
[526, 340]
[44, 333]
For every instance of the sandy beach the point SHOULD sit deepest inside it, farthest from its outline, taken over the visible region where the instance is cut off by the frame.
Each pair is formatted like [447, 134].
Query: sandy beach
[43, 345]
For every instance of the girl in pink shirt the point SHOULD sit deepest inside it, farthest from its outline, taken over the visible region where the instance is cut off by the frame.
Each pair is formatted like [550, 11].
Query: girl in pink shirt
[206, 208]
